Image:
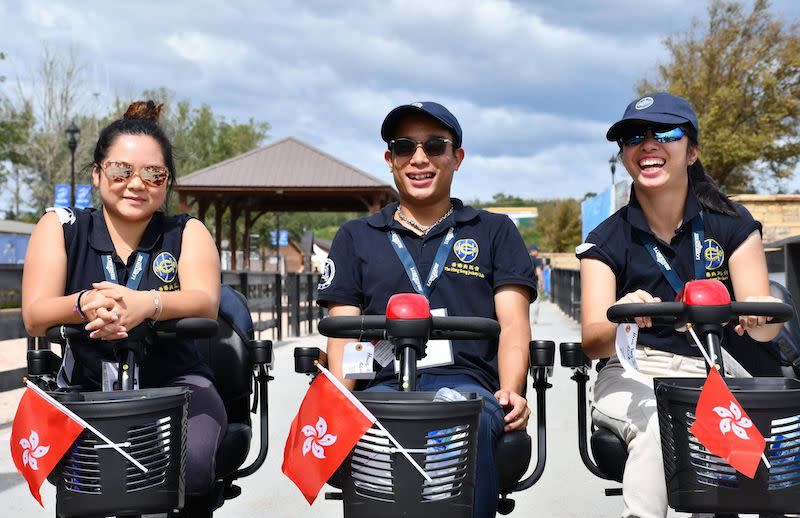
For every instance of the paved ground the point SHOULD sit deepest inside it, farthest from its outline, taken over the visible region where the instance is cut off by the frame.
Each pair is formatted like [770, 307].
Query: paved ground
[566, 489]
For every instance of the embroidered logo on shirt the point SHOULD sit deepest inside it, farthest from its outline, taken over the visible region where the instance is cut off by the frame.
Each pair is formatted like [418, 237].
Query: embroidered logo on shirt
[466, 250]
[328, 273]
[713, 254]
[165, 266]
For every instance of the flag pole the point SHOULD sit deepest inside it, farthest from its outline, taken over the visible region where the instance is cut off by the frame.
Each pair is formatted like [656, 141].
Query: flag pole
[713, 366]
[83, 423]
[374, 419]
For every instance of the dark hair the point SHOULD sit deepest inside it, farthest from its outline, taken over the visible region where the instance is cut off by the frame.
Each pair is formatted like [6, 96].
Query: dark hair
[141, 118]
[705, 188]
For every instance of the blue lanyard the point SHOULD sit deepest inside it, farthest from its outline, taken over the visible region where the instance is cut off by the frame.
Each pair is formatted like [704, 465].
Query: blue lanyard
[411, 268]
[110, 271]
[698, 239]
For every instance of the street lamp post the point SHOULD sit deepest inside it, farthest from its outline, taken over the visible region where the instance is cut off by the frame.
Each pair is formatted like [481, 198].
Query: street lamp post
[72, 132]
[612, 164]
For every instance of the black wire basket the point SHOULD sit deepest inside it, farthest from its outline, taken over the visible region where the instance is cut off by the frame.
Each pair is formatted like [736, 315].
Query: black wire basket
[93, 479]
[698, 481]
[440, 435]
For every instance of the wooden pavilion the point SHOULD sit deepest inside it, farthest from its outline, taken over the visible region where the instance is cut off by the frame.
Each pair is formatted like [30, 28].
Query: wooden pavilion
[286, 176]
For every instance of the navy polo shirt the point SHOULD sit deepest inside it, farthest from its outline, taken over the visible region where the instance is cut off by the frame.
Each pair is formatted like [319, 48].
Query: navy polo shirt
[364, 270]
[87, 242]
[617, 242]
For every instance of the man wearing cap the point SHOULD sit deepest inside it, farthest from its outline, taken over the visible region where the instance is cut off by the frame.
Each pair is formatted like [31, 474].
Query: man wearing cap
[466, 262]
[676, 227]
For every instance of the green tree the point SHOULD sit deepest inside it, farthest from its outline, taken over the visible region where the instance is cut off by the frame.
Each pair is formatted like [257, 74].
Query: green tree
[202, 138]
[55, 97]
[15, 130]
[561, 226]
[741, 71]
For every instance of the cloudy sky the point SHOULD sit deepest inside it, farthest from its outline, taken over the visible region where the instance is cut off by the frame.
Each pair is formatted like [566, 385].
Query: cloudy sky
[535, 84]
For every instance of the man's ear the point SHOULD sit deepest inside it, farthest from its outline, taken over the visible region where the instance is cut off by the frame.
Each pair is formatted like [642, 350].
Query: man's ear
[459, 155]
[387, 155]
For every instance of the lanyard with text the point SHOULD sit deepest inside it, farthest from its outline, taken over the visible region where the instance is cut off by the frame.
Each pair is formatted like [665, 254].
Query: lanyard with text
[436, 268]
[698, 238]
[110, 271]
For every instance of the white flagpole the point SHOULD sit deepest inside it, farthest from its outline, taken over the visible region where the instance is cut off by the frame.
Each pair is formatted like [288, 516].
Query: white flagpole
[713, 366]
[374, 419]
[83, 423]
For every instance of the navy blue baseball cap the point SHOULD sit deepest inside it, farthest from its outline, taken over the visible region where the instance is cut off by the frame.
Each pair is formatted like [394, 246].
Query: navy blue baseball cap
[429, 108]
[658, 108]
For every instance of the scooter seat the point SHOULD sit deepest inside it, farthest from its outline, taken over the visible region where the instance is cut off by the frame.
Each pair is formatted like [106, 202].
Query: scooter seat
[512, 457]
[610, 453]
[234, 448]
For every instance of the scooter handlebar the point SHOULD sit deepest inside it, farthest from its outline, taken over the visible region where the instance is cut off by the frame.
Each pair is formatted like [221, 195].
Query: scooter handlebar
[183, 328]
[374, 327]
[667, 313]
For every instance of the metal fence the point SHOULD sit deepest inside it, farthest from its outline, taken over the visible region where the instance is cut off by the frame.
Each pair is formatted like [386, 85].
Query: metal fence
[566, 291]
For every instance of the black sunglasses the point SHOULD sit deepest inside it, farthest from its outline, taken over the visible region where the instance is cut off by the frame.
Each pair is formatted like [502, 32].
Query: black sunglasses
[405, 147]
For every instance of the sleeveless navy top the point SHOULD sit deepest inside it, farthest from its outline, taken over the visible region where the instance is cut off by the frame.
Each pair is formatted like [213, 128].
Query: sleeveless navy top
[87, 242]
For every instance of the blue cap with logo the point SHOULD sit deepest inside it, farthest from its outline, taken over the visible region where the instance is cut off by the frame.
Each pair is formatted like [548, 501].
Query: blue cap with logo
[432, 109]
[658, 108]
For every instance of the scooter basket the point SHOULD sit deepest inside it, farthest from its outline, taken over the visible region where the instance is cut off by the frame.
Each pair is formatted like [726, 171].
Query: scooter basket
[698, 481]
[440, 435]
[93, 479]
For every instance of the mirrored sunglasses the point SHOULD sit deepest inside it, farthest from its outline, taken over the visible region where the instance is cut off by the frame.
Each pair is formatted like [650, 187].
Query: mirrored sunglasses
[661, 135]
[405, 147]
[153, 175]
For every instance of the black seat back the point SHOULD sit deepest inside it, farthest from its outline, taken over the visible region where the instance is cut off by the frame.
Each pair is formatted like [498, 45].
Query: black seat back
[227, 354]
[787, 343]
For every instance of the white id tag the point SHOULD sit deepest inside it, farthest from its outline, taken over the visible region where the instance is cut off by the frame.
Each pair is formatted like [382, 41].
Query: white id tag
[357, 361]
[437, 352]
[627, 335]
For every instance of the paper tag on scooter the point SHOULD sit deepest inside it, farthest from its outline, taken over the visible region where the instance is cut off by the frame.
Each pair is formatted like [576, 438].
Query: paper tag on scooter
[384, 352]
[627, 334]
[437, 352]
[357, 361]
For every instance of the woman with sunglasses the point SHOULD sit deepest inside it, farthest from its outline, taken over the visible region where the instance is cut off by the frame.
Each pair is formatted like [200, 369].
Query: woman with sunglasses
[125, 264]
[678, 226]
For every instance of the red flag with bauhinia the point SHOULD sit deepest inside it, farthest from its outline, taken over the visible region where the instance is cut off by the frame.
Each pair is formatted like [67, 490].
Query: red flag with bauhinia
[41, 434]
[723, 427]
[329, 423]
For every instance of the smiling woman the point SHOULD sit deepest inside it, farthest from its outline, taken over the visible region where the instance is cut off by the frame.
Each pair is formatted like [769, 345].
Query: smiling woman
[125, 265]
[677, 226]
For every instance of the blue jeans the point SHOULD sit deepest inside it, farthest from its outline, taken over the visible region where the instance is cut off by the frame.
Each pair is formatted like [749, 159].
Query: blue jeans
[489, 430]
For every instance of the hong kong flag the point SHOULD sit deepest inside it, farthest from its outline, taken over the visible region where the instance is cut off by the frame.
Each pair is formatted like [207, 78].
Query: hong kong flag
[329, 423]
[40, 436]
[723, 427]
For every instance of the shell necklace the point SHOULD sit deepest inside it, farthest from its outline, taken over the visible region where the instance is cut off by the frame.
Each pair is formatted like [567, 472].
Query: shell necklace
[422, 228]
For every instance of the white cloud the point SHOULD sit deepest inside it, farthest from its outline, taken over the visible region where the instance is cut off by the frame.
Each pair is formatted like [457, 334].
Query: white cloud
[534, 84]
[207, 50]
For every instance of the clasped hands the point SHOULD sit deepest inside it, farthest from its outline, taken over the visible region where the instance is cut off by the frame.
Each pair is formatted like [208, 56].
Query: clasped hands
[111, 310]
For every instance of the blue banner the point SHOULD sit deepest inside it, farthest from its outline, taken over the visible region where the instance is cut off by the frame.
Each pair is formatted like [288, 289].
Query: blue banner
[594, 211]
[284, 237]
[12, 248]
[62, 195]
[83, 196]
